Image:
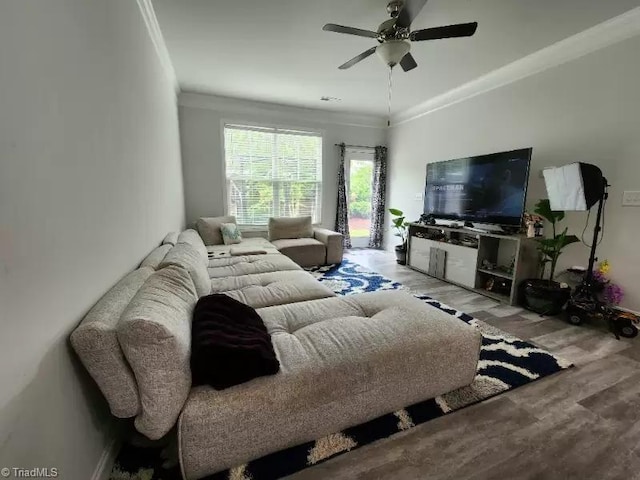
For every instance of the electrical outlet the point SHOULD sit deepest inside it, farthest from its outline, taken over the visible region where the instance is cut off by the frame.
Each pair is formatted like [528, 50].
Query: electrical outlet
[418, 197]
[631, 198]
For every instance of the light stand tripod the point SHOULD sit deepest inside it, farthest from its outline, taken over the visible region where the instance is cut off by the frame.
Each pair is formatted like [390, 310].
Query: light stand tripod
[584, 303]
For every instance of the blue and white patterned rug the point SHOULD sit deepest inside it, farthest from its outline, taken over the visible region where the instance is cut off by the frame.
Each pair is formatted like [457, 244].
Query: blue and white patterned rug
[506, 362]
[347, 278]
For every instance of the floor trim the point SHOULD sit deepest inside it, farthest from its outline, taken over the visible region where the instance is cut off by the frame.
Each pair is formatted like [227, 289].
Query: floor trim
[109, 454]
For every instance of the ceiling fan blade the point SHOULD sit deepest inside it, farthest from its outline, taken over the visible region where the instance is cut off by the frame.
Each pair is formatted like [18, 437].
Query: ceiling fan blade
[357, 59]
[408, 62]
[409, 12]
[332, 27]
[451, 31]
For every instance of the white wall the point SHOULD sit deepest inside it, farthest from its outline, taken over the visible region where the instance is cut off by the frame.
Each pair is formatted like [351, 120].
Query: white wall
[90, 181]
[202, 118]
[587, 110]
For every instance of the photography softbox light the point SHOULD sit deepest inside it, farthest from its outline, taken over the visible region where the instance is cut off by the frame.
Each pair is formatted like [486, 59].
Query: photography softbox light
[577, 186]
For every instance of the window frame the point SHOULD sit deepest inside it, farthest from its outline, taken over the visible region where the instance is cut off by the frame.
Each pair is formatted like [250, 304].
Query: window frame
[259, 126]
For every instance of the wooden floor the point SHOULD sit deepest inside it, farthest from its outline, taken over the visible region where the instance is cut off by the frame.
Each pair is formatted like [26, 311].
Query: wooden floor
[582, 423]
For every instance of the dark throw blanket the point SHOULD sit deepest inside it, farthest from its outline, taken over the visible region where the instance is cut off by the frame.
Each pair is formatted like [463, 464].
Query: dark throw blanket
[229, 343]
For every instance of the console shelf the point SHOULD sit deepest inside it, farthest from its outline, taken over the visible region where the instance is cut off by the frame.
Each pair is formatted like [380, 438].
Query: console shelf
[491, 264]
[496, 273]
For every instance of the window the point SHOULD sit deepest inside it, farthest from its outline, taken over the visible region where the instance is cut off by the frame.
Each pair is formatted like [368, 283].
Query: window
[272, 173]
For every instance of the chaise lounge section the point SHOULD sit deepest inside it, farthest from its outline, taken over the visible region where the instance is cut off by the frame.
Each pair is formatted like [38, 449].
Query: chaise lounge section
[344, 361]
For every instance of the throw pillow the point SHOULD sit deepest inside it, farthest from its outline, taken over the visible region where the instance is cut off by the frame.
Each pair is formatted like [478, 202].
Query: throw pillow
[229, 343]
[209, 228]
[230, 233]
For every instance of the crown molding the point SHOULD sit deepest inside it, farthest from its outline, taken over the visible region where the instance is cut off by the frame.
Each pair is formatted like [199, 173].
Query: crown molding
[276, 111]
[151, 21]
[605, 34]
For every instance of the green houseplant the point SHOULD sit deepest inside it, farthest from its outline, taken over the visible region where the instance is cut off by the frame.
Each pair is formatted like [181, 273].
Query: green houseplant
[546, 296]
[551, 248]
[400, 226]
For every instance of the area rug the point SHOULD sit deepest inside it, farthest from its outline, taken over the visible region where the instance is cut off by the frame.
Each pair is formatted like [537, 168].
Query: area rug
[347, 278]
[506, 362]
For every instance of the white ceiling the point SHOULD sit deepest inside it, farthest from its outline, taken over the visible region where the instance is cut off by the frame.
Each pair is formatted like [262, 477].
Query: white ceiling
[276, 51]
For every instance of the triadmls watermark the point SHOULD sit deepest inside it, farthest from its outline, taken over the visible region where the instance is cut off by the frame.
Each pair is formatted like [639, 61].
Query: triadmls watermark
[37, 472]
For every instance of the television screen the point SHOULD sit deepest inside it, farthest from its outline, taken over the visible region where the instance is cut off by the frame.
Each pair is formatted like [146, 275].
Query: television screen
[483, 189]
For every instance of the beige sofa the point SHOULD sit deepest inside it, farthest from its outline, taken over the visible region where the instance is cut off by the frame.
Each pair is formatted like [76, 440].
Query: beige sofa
[344, 360]
[296, 238]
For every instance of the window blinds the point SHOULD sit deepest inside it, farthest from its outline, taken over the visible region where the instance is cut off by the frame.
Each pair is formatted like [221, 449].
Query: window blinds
[272, 172]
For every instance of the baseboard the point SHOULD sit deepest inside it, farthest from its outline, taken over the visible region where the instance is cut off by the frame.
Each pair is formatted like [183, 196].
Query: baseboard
[109, 454]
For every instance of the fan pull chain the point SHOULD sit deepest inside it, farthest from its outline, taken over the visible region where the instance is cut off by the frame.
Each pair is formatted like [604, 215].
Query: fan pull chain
[389, 106]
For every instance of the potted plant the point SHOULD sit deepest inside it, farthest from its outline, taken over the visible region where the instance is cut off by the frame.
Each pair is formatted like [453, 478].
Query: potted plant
[546, 296]
[400, 227]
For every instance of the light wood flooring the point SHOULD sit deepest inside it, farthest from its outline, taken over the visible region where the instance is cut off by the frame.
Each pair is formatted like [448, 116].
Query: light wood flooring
[582, 423]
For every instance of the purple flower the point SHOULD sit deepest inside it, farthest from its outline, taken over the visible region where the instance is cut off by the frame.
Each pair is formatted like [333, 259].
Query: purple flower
[610, 292]
[613, 294]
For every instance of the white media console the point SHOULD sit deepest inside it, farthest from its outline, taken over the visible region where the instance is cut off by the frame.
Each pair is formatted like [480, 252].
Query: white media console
[487, 263]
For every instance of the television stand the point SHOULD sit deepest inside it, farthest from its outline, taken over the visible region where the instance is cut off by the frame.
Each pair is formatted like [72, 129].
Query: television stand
[490, 264]
[440, 222]
[484, 228]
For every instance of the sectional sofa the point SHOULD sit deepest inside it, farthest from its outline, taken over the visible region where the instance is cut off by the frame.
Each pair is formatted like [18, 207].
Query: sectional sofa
[343, 360]
[295, 238]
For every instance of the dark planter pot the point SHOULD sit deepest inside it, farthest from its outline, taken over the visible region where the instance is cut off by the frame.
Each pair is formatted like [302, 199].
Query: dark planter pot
[543, 297]
[401, 255]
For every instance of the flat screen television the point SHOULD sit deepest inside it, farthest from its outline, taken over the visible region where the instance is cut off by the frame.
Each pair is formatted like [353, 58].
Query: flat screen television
[485, 189]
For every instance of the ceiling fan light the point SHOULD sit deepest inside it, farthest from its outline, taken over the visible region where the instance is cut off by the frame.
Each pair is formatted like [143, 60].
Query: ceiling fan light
[392, 51]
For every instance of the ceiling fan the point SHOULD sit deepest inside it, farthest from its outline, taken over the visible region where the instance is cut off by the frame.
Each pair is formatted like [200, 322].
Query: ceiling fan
[394, 34]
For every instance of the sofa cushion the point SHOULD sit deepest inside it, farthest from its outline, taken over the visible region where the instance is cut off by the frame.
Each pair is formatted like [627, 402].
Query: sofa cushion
[171, 238]
[186, 256]
[290, 227]
[267, 289]
[306, 252]
[155, 334]
[156, 256]
[344, 361]
[230, 233]
[248, 244]
[192, 238]
[96, 343]
[234, 266]
[209, 228]
[229, 343]
[333, 241]
[244, 250]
